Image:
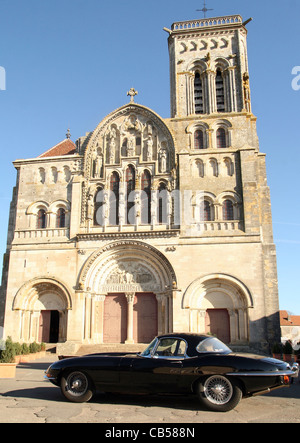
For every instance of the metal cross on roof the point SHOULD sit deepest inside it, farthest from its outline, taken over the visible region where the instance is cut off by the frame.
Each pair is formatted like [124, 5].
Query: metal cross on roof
[204, 9]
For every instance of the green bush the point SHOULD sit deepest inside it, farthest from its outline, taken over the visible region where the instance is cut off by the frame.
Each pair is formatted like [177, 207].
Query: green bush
[18, 348]
[34, 347]
[277, 348]
[25, 349]
[287, 348]
[11, 349]
[7, 355]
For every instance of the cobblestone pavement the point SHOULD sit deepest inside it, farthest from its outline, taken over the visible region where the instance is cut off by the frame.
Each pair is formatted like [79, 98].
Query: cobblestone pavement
[30, 399]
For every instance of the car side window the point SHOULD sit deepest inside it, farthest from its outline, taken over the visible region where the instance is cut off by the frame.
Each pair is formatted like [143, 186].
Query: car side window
[170, 347]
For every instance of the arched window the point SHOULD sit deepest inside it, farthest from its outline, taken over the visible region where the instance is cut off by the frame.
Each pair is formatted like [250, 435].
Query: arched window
[220, 91]
[114, 199]
[162, 204]
[199, 139]
[41, 219]
[98, 203]
[42, 175]
[206, 213]
[61, 218]
[198, 94]
[221, 138]
[146, 198]
[228, 210]
[130, 187]
[198, 168]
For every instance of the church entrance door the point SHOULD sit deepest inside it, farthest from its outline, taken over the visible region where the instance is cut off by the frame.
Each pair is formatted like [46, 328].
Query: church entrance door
[144, 317]
[217, 323]
[115, 318]
[49, 326]
[144, 322]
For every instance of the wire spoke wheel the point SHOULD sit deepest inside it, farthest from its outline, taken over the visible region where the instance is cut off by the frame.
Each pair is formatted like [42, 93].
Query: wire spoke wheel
[77, 387]
[218, 390]
[218, 393]
[77, 383]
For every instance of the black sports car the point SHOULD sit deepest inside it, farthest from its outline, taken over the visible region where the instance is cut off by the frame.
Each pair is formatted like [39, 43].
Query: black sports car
[174, 363]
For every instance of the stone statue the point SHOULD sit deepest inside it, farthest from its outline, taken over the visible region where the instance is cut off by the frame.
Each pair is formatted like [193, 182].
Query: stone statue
[131, 146]
[149, 148]
[112, 146]
[90, 207]
[98, 163]
[163, 160]
[246, 88]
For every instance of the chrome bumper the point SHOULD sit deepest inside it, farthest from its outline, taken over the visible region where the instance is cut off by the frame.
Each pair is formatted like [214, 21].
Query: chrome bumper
[292, 372]
[295, 369]
[47, 377]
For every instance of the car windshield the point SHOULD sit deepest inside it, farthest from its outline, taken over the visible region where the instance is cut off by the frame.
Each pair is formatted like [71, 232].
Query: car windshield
[212, 345]
[148, 350]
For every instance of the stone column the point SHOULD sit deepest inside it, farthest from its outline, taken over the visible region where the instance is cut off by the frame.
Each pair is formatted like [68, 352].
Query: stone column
[201, 320]
[166, 312]
[242, 315]
[99, 318]
[159, 314]
[190, 106]
[26, 326]
[231, 89]
[93, 317]
[211, 92]
[76, 320]
[130, 300]
[87, 317]
[234, 333]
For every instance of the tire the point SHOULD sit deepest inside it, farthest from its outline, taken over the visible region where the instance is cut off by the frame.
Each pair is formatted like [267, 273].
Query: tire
[218, 393]
[76, 387]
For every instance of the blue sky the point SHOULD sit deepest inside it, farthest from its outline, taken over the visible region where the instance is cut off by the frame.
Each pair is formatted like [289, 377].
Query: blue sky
[69, 63]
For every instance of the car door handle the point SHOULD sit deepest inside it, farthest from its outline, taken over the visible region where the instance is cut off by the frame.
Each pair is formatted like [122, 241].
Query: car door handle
[176, 361]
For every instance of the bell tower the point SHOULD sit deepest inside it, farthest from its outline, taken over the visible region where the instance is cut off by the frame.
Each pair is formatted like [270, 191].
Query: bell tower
[209, 67]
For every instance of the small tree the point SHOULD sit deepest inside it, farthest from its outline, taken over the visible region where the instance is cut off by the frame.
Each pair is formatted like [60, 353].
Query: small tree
[7, 355]
[33, 348]
[25, 349]
[287, 348]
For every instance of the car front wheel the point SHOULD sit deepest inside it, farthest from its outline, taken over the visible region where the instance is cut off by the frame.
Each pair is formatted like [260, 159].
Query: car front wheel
[76, 387]
[219, 394]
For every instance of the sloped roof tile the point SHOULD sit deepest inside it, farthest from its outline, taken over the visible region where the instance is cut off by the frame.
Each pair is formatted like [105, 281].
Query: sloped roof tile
[66, 147]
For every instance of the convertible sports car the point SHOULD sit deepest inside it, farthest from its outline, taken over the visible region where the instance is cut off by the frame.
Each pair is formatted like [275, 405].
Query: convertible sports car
[174, 363]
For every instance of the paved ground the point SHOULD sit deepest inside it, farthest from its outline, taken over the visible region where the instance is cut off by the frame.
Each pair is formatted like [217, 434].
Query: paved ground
[30, 399]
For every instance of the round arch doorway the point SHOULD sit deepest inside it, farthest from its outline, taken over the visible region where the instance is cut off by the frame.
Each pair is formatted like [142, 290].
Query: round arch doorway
[43, 304]
[133, 282]
[219, 305]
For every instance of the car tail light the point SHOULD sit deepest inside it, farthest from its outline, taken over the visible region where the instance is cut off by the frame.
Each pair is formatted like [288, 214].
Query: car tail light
[286, 379]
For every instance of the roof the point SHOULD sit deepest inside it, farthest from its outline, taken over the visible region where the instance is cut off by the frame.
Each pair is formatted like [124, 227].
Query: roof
[289, 320]
[66, 147]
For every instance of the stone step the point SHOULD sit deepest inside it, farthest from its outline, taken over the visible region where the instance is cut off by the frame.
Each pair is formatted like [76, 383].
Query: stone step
[95, 349]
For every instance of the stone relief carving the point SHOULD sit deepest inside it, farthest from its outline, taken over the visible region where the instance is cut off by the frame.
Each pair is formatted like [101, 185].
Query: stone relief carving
[130, 273]
[130, 276]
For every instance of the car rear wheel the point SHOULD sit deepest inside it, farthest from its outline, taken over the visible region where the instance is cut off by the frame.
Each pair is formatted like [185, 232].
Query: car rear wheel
[76, 386]
[219, 394]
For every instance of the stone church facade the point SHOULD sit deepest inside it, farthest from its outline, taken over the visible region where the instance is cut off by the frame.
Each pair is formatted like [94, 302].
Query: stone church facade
[149, 225]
